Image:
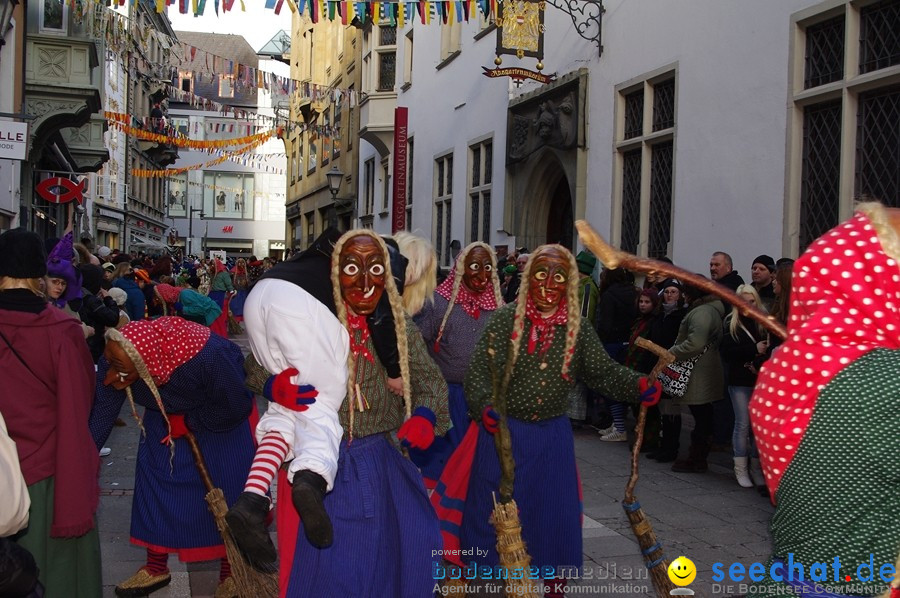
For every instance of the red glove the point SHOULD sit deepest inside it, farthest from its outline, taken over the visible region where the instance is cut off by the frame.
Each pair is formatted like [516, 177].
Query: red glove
[418, 431]
[177, 428]
[649, 393]
[490, 419]
[279, 389]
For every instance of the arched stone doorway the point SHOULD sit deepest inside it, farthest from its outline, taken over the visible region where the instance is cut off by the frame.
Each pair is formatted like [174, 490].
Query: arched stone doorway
[545, 205]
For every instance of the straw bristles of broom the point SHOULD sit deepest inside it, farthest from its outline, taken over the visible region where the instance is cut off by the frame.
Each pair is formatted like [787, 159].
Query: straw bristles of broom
[249, 582]
[650, 548]
[511, 549]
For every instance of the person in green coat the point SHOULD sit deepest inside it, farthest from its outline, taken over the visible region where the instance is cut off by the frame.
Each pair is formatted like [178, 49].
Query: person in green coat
[700, 334]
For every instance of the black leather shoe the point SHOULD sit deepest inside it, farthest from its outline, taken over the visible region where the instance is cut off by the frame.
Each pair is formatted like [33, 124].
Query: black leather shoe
[247, 521]
[308, 495]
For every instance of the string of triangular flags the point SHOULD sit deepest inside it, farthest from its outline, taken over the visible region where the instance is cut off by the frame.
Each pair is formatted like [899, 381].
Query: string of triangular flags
[105, 24]
[394, 12]
[167, 172]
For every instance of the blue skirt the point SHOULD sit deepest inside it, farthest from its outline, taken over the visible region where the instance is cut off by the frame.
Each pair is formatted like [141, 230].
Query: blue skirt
[237, 304]
[385, 531]
[431, 462]
[545, 489]
[218, 297]
[169, 512]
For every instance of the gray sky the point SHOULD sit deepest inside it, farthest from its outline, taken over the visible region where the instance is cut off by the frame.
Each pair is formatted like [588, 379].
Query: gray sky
[257, 25]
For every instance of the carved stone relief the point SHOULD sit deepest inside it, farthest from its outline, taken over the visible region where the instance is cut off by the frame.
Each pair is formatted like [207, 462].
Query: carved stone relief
[551, 120]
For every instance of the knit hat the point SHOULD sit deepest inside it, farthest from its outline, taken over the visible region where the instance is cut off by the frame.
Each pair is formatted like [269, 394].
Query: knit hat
[510, 269]
[142, 275]
[586, 262]
[22, 254]
[103, 251]
[118, 295]
[669, 282]
[766, 261]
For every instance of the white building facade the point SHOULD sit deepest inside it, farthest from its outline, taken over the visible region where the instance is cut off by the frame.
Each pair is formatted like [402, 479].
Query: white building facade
[702, 126]
[238, 205]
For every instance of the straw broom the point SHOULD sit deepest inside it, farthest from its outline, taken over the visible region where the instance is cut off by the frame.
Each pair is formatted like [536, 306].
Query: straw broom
[640, 523]
[249, 582]
[505, 517]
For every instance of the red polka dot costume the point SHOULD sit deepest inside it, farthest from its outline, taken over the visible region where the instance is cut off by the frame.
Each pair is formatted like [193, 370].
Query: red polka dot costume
[846, 291]
[826, 413]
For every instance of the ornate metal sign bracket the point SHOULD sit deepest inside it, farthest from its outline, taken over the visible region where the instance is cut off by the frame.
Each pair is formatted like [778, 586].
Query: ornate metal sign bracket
[586, 16]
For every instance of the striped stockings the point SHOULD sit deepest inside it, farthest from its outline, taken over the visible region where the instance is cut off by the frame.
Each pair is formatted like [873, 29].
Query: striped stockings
[270, 454]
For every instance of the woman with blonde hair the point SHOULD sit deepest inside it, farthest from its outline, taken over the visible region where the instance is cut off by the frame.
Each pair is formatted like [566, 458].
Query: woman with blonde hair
[421, 270]
[451, 326]
[743, 350]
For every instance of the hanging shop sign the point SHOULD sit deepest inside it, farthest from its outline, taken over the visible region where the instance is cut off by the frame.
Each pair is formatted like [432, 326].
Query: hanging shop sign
[62, 190]
[13, 140]
[520, 30]
[519, 74]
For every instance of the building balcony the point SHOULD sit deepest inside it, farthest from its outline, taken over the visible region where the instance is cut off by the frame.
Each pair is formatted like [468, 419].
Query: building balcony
[376, 120]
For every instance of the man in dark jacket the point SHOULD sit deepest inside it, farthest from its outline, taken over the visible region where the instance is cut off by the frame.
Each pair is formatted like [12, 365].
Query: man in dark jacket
[721, 269]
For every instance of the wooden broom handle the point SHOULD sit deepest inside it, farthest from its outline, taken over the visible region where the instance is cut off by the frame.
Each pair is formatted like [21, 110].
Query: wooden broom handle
[611, 257]
[199, 461]
[665, 358]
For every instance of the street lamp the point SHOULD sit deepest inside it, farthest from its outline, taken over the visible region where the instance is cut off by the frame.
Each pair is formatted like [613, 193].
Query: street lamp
[335, 177]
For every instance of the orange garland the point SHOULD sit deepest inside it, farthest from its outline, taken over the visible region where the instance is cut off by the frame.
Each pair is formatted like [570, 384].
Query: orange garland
[119, 120]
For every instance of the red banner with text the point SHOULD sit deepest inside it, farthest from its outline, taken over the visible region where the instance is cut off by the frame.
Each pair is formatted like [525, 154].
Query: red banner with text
[398, 217]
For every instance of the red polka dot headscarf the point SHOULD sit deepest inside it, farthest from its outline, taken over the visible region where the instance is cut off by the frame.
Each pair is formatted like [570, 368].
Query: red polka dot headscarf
[845, 302]
[165, 343]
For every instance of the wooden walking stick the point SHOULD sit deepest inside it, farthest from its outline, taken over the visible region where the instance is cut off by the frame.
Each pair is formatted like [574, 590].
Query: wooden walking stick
[640, 524]
[249, 582]
[615, 258]
[511, 549]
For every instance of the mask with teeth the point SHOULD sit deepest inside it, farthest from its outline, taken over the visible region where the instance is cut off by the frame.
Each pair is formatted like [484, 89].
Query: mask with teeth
[362, 274]
[549, 280]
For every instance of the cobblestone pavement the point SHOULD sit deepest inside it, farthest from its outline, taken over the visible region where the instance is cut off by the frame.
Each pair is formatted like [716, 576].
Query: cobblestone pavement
[706, 517]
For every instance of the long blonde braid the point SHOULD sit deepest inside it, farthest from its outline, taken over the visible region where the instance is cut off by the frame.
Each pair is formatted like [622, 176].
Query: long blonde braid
[459, 270]
[396, 310]
[573, 315]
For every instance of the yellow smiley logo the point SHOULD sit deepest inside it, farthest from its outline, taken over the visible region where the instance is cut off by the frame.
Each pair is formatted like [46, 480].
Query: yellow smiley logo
[682, 571]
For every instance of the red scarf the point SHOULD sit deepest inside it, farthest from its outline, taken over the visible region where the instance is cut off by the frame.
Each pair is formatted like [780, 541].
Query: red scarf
[542, 328]
[844, 298]
[358, 347]
[165, 343]
[471, 303]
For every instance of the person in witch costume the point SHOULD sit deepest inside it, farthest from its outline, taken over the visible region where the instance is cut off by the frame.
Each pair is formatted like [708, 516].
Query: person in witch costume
[186, 378]
[293, 329]
[826, 415]
[450, 326]
[378, 504]
[543, 344]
